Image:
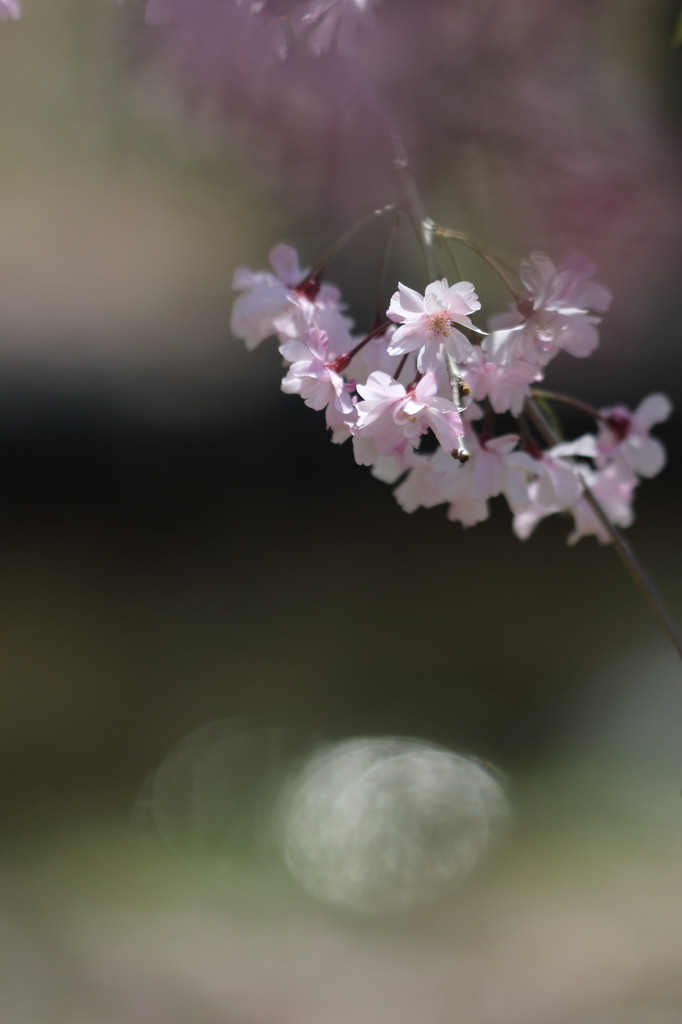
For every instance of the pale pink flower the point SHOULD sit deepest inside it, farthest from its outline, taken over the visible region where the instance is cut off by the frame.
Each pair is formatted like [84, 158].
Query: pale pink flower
[437, 479]
[528, 518]
[505, 383]
[493, 468]
[389, 468]
[614, 490]
[625, 435]
[327, 19]
[466, 507]
[613, 486]
[339, 420]
[428, 321]
[555, 314]
[498, 469]
[558, 487]
[271, 305]
[455, 483]
[10, 9]
[267, 297]
[422, 486]
[324, 313]
[392, 418]
[559, 482]
[313, 378]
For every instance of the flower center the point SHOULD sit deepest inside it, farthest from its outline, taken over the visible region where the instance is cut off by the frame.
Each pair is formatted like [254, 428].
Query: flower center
[619, 425]
[439, 323]
[544, 326]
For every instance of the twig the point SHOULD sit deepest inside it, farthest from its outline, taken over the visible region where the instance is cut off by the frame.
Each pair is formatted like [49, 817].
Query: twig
[555, 396]
[412, 201]
[492, 261]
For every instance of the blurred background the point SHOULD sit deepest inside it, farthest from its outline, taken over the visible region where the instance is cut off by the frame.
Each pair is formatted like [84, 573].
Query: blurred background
[180, 542]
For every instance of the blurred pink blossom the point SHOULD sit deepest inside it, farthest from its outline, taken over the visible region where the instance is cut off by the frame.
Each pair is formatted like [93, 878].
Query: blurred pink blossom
[555, 315]
[325, 20]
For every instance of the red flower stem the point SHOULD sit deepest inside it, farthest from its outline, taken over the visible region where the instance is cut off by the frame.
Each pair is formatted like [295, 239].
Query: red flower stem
[341, 362]
[623, 548]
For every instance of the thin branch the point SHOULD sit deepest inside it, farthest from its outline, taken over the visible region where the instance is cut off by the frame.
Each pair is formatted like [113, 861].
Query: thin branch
[623, 548]
[336, 247]
[451, 256]
[455, 379]
[492, 261]
[555, 396]
[381, 287]
[472, 243]
[412, 201]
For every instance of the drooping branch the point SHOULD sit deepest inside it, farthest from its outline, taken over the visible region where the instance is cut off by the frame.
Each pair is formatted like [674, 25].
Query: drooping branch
[623, 548]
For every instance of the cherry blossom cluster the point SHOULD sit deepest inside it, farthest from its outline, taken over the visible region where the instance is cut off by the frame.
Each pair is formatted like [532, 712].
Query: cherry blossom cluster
[421, 394]
[322, 22]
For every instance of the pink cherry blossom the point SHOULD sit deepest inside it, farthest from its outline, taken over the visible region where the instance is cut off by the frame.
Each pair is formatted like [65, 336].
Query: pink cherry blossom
[324, 313]
[557, 487]
[10, 9]
[613, 486]
[498, 469]
[271, 305]
[559, 482]
[625, 435]
[455, 484]
[465, 506]
[389, 468]
[391, 418]
[432, 480]
[437, 479]
[555, 314]
[313, 378]
[614, 490]
[493, 468]
[422, 486]
[505, 382]
[329, 19]
[267, 296]
[428, 321]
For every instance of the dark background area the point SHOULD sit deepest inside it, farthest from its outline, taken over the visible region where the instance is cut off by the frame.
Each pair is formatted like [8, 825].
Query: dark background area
[157, 577]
